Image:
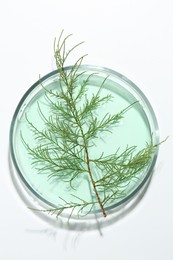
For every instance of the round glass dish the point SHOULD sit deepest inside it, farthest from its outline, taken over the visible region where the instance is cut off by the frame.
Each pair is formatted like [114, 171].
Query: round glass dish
[137, 127]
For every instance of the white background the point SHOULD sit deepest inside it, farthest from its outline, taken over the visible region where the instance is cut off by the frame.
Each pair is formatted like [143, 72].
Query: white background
[133, 37]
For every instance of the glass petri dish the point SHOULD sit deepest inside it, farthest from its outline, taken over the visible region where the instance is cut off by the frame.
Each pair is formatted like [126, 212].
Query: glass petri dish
[137, 127]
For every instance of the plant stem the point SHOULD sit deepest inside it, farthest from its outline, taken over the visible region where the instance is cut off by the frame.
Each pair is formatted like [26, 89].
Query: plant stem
[91, 177]
[76, 117]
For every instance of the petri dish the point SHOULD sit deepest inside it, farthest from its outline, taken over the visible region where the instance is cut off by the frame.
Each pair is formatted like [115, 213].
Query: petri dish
[136, 128]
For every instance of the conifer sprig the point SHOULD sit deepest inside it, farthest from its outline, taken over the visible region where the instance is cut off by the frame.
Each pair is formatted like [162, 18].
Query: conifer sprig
[63, 146]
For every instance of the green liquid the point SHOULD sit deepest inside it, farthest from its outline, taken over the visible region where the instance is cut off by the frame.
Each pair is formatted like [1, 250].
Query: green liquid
[134, 129]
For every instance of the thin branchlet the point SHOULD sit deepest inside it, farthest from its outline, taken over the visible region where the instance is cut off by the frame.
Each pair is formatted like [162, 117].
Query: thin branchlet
[62, 148]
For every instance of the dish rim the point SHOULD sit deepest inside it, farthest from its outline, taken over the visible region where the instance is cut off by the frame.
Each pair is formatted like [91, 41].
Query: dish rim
[87, 68]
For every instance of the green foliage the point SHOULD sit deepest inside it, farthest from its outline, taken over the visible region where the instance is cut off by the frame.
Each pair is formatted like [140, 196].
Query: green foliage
[62, 148]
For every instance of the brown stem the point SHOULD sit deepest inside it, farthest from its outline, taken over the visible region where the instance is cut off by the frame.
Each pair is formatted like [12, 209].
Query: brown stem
[93, 183]
[74, 111]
